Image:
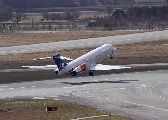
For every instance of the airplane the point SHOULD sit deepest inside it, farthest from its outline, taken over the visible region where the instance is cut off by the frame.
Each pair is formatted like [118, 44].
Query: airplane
[85, 62]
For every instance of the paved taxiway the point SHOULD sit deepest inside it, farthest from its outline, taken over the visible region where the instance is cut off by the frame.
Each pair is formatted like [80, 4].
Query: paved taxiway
[81, 43]
[138, 95]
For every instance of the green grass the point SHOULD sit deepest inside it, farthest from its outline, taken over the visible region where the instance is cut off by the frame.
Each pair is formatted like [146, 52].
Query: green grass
[36, 110]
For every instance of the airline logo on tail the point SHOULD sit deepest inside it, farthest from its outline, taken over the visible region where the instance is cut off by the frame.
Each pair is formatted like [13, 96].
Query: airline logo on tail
[59, 62]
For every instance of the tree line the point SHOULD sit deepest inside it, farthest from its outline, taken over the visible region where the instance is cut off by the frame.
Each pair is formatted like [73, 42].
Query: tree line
[26, 4]
[135, 16]
[67, 15]
[61, 3]
[38, 3]
[6, 12]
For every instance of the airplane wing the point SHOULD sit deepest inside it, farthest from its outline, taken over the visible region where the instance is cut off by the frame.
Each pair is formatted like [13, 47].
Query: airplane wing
[105, 67]
[62, 57]
[49, 67]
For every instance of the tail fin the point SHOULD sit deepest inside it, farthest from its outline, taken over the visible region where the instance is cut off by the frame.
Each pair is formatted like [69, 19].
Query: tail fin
[59, 62]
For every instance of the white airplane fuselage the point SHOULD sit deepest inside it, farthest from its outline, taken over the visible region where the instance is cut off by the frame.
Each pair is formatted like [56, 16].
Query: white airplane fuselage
[89, 59]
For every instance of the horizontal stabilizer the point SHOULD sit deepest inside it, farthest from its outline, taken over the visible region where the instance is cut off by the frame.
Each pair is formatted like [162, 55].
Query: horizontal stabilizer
[61, 57]
[49, 67]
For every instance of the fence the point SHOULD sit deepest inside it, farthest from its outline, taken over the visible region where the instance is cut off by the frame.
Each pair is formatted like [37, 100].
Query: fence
[76, 28]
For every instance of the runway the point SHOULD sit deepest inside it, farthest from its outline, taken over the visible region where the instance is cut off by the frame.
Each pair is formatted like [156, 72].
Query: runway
[137, 95]
[81, 43]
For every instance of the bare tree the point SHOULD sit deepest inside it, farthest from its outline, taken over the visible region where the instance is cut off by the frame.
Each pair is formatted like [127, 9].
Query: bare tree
[166, 2]
[46, 16]
[76, 14]
[1, 2]
[129, 3]
[115, 2]
[108, 9]
[68, 15]
[6, 12]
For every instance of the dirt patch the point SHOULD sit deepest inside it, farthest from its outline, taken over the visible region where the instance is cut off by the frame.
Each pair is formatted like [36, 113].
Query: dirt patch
[16, 39]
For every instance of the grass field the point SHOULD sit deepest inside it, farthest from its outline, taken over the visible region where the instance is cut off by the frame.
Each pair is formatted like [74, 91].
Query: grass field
[36, 110]
[15, 39]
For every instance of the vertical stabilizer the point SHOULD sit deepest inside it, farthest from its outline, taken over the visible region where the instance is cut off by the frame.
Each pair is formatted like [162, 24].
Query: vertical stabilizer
[59, 62]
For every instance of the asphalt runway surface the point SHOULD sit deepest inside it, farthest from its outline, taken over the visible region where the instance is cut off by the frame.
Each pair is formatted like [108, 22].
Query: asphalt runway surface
[81, 43]
[137, 95]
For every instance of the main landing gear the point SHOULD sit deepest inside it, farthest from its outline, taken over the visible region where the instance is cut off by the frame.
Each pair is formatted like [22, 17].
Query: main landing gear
[111, 57]
[56, 72]
[91, 73]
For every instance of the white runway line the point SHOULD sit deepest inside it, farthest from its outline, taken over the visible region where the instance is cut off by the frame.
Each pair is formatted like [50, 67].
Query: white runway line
[68, 87]
[122, 88]
[4, 86]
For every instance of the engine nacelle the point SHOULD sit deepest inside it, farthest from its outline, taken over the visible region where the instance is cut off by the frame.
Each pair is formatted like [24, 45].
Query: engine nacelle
[56, 71]
[80, 68]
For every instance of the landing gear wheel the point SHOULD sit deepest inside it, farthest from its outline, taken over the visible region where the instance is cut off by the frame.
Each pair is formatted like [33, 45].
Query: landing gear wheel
[91, 73]
[74, 73]
[56, 72]
[111, 57]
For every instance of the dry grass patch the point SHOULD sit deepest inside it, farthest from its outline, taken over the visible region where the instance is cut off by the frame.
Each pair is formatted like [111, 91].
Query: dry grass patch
[36, 110]
[16, 39]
